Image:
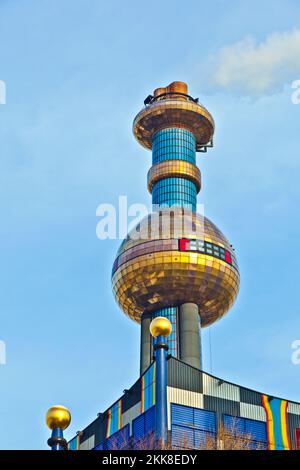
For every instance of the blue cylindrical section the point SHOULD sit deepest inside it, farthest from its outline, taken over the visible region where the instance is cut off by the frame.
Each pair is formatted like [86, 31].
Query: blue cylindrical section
[56, 432]
[161, 411]
[171, 314]
[175, 192]
[174, 144]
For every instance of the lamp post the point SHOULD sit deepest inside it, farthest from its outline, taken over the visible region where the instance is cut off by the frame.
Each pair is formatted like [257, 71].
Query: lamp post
[58, 419]
[160, 329]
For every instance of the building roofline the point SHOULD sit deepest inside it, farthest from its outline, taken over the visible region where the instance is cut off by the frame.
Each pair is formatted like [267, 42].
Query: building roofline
[230, 383]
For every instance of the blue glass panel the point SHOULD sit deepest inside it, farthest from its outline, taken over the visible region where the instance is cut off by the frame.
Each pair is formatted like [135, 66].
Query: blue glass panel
[173, 144]
[175, 191]
[171, 314]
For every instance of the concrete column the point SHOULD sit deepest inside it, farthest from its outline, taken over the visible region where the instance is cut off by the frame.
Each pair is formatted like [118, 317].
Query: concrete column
[189, 335]
[145, 355]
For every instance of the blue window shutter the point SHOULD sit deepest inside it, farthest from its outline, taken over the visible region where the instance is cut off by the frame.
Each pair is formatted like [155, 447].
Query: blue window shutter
[200, 438]
[191, 427]
[150, 420]
[144, 424]
[99, 446]
[257, 429]
[138, 427]
[205, 420]
[182, 415]
[182, 437]
[233, 424]
[250, 427]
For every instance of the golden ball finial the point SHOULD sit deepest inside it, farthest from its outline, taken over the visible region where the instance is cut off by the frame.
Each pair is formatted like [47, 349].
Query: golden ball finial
[58, 417]
[160, 326]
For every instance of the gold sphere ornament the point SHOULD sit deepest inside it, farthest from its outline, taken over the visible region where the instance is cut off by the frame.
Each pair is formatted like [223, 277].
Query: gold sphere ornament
[160, 326]
[58, 417]
[188, 260]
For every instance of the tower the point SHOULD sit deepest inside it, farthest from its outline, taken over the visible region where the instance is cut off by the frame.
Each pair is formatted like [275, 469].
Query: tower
[176, 273]
[175, 263]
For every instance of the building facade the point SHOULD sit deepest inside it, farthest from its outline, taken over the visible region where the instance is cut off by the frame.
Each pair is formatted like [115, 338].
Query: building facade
[199, 405]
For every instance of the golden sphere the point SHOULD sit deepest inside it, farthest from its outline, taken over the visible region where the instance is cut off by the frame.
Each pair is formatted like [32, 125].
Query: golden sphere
[160, 326]
[58, 417]
[151, 273]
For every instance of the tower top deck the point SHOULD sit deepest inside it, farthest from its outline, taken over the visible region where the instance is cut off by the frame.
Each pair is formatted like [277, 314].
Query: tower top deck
[169, 107]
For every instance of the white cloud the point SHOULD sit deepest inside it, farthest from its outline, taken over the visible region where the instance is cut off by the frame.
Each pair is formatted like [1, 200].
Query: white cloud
[256, 69]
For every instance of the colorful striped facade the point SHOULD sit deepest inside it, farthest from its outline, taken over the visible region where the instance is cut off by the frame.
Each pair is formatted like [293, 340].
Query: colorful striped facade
[114, 419]
[277, 423]
[198, 405]
[148, 389]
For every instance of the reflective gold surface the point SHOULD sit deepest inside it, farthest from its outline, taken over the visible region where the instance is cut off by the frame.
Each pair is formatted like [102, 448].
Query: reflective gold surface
[159, 91]
[174, 168]
[58, 417]
[173, 112]
[178, 87]
[160, 326]
[174, 87]
[169, 277]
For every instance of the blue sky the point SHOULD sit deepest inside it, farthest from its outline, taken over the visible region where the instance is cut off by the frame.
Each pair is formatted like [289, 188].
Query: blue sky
[76, 74]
